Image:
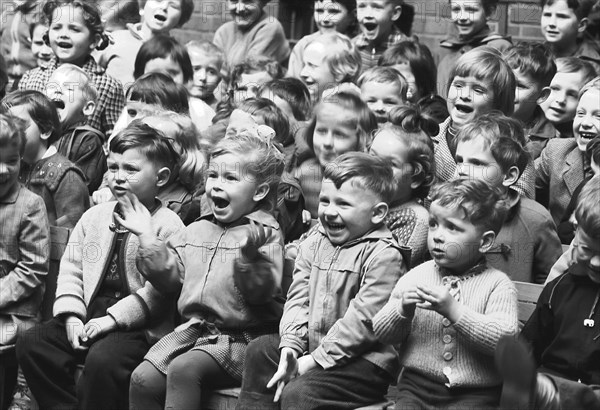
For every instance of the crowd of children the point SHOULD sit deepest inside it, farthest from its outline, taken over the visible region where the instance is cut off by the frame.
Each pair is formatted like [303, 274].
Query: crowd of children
[408, 195]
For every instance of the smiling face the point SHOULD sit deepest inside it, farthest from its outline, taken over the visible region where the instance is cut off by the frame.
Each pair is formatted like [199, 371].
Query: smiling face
[376, 18]
[468, 98]
[132, 172]
[468, 16]
[10, 163]
[560, 25]
[526, 95]
[245, 12]
[41, 51]
[586, 124]
[381, 98]
[586, 256]
[70, 101]
[561, 104]
[160, 16]
[335, 133]
[316, 73]
[331, 16]
[70, 39]
[167, 66]
[207, 73]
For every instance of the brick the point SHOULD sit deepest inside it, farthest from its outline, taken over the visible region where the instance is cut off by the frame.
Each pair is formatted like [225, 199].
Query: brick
[525, 14]
[528, 31]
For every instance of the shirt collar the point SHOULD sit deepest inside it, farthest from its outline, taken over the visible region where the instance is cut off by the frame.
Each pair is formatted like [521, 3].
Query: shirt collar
[394, 37]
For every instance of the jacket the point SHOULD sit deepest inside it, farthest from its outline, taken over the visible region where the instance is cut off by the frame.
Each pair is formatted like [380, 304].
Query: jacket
[335, 293]
[15, 41]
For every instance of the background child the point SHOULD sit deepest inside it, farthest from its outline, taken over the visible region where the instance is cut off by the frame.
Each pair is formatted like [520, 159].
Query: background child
[448, 314]
[329, 16]
[492, 148]
[416, 64]
[377, 21]
[252, 32]
[352, 263]
[559, 107]
[73, 93]
[227, 266]
[3, 77]
[382, 88]
[105, 309]
[470, 19]
[533, 66]
[44, 171]
[40, 50]
[75, 47]
[207, 63]
[406, 144]
[292, 97]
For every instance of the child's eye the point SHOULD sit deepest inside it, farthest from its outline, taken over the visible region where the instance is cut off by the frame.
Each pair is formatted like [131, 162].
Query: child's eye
[211, 174]
[113, 167]
[554, 88]
[231, 178]
[132, 113]
[432, 223]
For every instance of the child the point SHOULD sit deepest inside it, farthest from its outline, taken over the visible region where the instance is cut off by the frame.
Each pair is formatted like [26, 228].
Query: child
[382, 88]
[534, 68]
[563, 25]
[492, 148]
[75, 47]
[72, 92]
[481, 82]
[165, 54]
[470, 19]
[563, 165]
[207, 62]
[377, 20]
[105, 310]
[406, 144]
[343, 275]
[559, 107]
[447, 315]
[329, 16]
[44, 171]
[227, 268]
[252, 32]
[40, 50]
[562, 331]
[3, 77]
[329, 60]
[414, 61]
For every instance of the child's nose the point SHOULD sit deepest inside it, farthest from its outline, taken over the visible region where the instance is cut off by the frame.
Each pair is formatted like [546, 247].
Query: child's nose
[240, 7]
[202, 74]
[328, 140]
[378, 106]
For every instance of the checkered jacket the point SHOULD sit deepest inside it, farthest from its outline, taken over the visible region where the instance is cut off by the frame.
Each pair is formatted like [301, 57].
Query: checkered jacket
[110, 101]
[369, 55]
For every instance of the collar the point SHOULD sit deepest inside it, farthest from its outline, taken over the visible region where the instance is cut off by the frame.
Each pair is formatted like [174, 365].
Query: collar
[90, 65]
[49, 152]
[484, 36]
[259, 216]
[174, 192]
[381, 232]
[13, 194]
[479, 267]
[395, 36]
[136, 31]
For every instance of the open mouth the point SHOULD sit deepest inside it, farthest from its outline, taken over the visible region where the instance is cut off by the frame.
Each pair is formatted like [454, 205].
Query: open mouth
[464, 108]
[220, 203]
[160, 17]
[587, 135]
[335, 227]
[64, 44]
[59, 104]
[370, 26]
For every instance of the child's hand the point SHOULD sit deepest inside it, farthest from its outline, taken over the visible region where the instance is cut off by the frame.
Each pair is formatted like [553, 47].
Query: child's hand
[257, 237]
[74, 328]
[306, 363]
[439, 300]
[306, 217]
[135, 216]
[102, 195]
[287, 370]
[410, 299]
[98, 327]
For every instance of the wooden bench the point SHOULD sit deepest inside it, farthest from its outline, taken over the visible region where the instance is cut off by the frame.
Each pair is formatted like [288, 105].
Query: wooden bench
[527, 297]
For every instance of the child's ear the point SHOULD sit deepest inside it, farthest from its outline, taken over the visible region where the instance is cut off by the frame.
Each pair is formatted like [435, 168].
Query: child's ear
[397, 13]
[486, 242]
[544, 94]
[88, 108]
[45, 135]
[583, 24]
[162, 177]
[94, 44]
[261, 192]
[417, 179]
[511, 176]
[380, 211]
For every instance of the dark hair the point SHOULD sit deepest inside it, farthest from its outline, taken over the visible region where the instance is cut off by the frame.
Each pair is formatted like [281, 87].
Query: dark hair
[482, 204]
[163, 46]
[271, 115]
[41, 110]
[160, 89]
[293, 91]
[532, 59]
[421, 63]
[581, 8]
[12, 128]
[3, 76]
[592, 150]
[187, 8]
[370, 173]
[587, 213]
[575, 65]
[91, 17]
[489, 6]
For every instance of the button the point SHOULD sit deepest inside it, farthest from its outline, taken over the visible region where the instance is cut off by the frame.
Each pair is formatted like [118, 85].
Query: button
[448, 356]
[446, 322]
[447, 371]
[117, 294]
[447, 339]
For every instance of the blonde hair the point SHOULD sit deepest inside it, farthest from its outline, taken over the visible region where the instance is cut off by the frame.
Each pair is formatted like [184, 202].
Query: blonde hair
[79, 77]
[343, 58]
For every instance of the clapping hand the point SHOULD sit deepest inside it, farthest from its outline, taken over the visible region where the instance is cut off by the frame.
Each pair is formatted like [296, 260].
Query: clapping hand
[134, 216]
[257, 237]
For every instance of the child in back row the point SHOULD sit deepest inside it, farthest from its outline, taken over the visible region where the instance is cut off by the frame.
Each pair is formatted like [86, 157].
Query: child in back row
[382, 88]
[343, 275]
[207, 63]
[446, 315]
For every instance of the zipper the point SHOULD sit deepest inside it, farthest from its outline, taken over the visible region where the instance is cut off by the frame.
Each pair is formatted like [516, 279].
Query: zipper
[328, 285]
[210, 263]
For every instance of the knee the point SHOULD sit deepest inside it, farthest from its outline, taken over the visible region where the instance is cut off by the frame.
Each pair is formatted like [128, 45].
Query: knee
[295, 394]
[182, 369]
[29, 342]
[145, 380]
[262, 349]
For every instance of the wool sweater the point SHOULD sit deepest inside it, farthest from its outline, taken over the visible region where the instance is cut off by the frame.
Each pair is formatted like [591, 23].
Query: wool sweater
[409, 223]
[457, 354]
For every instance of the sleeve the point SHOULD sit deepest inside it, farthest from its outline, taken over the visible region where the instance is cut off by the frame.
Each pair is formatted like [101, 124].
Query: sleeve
[91, 160]
[542, 179]
[296, 62]
[31, 269]
[270, 41]
[547, 249]
[352, 335]
[417, 242]
[538, 331]
[525, 185]
[71, 199]
[481, 331]
[219, 38]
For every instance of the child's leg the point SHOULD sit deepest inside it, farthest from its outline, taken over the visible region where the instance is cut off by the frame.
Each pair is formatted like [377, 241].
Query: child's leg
[109, 363]
[147, 388]
[188, 374]
[48, 360]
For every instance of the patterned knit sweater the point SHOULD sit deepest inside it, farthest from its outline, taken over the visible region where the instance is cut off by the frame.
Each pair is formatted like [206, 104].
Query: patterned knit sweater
[457, 354]
[409, 223]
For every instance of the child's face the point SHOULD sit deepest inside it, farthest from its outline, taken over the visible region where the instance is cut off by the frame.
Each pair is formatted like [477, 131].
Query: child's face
[468, 98]
[561, 104]
[41, 51]
[331, 16]
[347, 213]
[167, 66]
[388, 146]
[282, 104]
[376, 18]
[248, 84]
[526, 95]
[586, 124]
[474, 160]
[468, 17]
[586, 256]
[241, 120]
[232, 191]
[381, 98]
[10, 164]
[132, 173]
[316, 73]
[559, 23]
[453, 241]
[245, 12]
[35, 141]
[160, 16]
[71, 103]
[207, 73]
[335, 133]
[70, 39]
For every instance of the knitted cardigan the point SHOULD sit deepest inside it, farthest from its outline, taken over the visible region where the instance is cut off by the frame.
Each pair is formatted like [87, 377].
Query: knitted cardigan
[457, 354]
